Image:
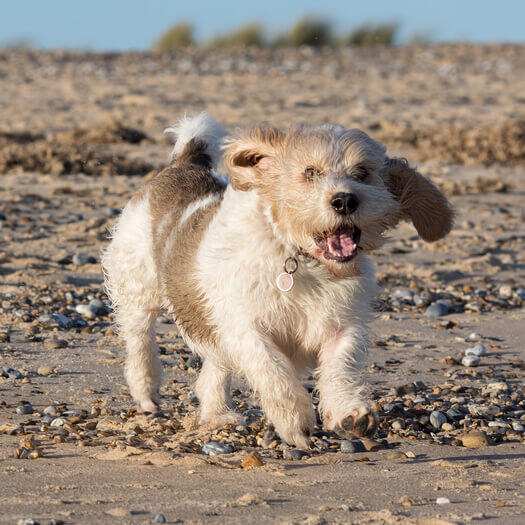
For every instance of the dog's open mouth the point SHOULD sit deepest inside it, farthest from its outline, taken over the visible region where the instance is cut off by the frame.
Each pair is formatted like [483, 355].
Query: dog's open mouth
[340, 245]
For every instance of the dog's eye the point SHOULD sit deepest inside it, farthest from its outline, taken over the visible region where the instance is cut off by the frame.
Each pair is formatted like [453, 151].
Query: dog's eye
[360, 172]
[310, 173]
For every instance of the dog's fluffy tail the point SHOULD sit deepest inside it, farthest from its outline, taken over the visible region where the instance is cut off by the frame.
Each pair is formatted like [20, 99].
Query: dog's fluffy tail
[197, 139]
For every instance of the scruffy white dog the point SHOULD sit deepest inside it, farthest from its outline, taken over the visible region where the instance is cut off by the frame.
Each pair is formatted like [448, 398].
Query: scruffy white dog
[269, 275]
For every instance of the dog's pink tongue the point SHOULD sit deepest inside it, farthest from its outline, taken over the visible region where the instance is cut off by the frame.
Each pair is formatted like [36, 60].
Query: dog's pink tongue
[341, 244]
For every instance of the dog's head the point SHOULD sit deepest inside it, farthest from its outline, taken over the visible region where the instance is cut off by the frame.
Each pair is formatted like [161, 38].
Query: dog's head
[332, 193]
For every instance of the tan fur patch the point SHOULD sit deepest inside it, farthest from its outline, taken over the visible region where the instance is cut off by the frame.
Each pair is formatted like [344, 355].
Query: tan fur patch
[171, 192]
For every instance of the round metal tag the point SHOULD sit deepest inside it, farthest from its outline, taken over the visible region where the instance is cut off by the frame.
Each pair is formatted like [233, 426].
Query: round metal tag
[284, 282]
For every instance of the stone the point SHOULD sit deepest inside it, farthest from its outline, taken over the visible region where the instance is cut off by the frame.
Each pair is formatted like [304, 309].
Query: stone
[475, 439]
[437, 419]
[505, 292]
[474, 336]
[62, 320]
[442, 501]
[494, 388]
[214, 448]
[45, 370]
[517, 426]
[294, 454]
[252, 460]
[477, 350]
[397, 456]
[55, 343]
[447, 427]
[398, 424]
[98, 306]
[159, 518]
[351, 447]
[51, 411]
[437, 309]
[11, 373]
[371, 445]
[58, 422]
[24, 409]
[86, 310]
[80, 259]
[470, 360]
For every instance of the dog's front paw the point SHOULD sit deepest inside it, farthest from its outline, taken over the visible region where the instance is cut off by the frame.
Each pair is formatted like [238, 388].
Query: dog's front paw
[360, 422]
[149, 406]
[294, 425]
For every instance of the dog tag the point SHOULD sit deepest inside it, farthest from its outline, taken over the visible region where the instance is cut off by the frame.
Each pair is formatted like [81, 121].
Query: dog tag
[285, 282]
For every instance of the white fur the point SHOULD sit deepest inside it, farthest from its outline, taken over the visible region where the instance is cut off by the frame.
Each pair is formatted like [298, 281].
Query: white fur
[195, 206]
[319, 309]
[132, 286]
[202, 127]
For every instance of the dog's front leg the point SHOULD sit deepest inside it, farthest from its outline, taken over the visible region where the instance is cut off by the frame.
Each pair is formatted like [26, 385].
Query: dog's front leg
[286, 403]
[341, 386]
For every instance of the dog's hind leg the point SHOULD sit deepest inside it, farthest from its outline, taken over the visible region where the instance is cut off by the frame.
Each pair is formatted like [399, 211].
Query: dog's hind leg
[213, 390]
[143, 368]
[132, 285]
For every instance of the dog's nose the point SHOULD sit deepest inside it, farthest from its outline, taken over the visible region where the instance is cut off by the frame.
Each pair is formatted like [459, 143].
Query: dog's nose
[344, 203]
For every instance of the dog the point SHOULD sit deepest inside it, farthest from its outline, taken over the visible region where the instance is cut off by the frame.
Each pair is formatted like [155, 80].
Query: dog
[267, 275]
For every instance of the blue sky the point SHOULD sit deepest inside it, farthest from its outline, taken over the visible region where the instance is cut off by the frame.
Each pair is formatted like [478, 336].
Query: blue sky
[135, 24]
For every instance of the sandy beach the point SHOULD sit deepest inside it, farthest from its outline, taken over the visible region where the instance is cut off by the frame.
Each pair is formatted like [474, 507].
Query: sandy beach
[80, 132]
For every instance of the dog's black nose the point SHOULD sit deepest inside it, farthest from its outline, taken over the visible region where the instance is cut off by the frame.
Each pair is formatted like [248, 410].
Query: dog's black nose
[344, 203]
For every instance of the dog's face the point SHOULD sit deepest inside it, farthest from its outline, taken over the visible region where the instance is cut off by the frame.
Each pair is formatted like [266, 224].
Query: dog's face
[332, 193]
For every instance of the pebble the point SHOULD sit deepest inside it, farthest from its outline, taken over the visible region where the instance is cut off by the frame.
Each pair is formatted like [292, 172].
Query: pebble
[51, 411]
[214, 448]
[58, 422]
[351, 447]
[371, 445]
[86, 310]
[470, 360]
[55, 343]
[474, 439]
[27, 521]
[398, 424]
[520, 292]
[397, 456]
[252, 460]
[80, 259]
[437, 419]
[159, 518]
[26, 408]
[442, 501]
[517, 426]
[474, 336]
[45, 370]
[294, 454]
[505, 292]
[493, 388]
[437, 309]
[62, 320]
[98, 306]
[477, 350]
[447, 427]
[11, 373]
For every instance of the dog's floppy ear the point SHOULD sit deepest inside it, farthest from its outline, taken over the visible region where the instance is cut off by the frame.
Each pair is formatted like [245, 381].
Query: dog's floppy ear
[421, 202]
[251, 157]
